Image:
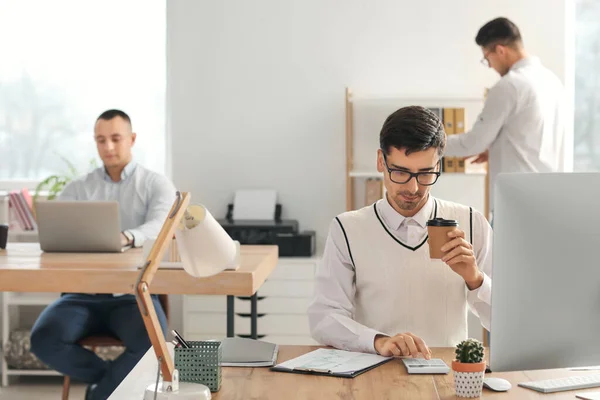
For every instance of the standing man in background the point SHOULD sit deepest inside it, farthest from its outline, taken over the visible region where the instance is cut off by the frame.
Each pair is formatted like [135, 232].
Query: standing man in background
[145, 199]
[522, 125]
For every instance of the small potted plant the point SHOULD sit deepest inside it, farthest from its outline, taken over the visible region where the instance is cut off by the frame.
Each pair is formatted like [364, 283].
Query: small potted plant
[469, 368]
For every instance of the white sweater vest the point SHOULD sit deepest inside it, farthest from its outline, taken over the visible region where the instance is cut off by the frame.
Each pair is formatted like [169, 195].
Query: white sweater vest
[400, 289]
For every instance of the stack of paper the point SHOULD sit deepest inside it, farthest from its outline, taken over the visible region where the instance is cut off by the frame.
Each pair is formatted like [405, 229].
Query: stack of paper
[240, 352]
[254, 204]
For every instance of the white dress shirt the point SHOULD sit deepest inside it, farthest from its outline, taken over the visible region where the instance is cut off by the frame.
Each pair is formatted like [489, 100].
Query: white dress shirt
[331, 314]
[145, 198]
[523, 124]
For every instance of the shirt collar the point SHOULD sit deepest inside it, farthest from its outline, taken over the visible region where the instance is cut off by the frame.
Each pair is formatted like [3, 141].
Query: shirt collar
[127, 171]
[394, 219]
[523, 62]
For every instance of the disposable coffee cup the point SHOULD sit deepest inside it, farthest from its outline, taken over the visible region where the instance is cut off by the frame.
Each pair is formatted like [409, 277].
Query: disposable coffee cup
[438, 229]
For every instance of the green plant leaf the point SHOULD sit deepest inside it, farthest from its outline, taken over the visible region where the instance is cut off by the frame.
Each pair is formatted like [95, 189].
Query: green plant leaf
[70, 166]
[54, 184]
[49, 181]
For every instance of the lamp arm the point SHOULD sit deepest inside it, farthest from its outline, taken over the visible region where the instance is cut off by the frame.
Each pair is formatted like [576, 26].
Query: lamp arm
[142, 285]
[162, 241]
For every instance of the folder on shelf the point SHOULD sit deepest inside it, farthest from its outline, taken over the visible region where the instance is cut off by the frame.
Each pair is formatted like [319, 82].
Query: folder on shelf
[22, 211]
[449, 163]
[459, 127]
[330, 362]
[27, 199]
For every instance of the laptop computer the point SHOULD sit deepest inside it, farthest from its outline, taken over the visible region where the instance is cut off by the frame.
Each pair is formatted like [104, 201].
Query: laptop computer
[79, 226]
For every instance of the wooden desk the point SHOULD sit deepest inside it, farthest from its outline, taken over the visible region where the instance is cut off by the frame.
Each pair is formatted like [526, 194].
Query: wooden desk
[389, 381]
[25, 268]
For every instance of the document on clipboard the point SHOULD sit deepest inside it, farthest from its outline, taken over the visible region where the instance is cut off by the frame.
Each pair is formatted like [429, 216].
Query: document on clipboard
[340, 363]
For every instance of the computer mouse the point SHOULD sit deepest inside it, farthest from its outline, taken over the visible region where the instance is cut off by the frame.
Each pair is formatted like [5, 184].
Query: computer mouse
[497, 384]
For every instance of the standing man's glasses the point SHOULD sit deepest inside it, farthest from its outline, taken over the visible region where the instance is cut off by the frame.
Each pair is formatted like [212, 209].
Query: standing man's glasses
[485, 60]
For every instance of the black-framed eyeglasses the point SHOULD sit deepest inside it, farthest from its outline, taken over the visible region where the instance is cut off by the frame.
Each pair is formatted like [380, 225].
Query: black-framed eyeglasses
[401, 176]
[485, 61]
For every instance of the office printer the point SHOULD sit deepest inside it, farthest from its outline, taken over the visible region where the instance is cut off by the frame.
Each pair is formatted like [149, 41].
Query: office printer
[283, 233]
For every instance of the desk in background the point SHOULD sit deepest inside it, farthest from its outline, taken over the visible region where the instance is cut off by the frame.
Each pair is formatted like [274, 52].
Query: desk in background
[25, 268]
[388, 381]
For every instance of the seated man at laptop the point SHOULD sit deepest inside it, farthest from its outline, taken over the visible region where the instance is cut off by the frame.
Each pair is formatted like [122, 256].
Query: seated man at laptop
[145, 198]
[377, 290]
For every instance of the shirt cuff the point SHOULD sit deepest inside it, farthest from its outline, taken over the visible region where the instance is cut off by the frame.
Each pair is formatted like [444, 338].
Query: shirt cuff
[138, 237]
[483, 293]
[366, 340]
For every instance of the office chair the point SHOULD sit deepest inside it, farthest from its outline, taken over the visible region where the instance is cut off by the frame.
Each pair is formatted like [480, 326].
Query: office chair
[107, 341]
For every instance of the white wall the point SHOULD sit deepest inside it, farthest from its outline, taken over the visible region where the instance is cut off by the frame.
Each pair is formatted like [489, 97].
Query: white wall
[255, 88]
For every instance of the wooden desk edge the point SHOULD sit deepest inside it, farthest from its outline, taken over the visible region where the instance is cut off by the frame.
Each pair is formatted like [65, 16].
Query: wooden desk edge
[264, 270]
[166, 281]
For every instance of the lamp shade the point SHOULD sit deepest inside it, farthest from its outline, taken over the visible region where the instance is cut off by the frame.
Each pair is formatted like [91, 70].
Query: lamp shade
[204, 246]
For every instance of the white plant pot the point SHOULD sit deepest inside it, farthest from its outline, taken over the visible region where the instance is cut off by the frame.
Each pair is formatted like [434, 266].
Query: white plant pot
[468, 379]
[468, 384]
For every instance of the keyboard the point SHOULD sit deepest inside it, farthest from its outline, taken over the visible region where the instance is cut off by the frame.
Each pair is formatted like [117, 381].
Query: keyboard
[562, 384]
[423, 366]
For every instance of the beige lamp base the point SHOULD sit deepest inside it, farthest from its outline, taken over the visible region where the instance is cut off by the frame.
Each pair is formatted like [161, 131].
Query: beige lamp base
[186, 391]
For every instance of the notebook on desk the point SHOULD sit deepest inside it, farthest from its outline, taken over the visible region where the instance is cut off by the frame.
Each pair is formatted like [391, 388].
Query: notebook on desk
[242, 352]
[339, 363]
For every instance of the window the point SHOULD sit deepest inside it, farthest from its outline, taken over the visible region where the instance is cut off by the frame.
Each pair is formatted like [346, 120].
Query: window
[587, 86]
[66, 61]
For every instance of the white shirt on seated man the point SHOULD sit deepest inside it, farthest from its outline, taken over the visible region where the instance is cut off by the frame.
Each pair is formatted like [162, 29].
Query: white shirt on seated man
[377, 290]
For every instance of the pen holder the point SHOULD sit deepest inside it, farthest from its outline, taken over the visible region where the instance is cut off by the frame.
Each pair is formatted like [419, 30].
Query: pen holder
[201, 363]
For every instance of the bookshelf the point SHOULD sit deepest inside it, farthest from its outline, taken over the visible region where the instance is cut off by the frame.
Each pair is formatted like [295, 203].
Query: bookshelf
[12, 302]
[16, 210]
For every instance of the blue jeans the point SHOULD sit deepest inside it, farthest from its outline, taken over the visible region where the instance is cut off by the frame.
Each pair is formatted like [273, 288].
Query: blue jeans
[73, 317]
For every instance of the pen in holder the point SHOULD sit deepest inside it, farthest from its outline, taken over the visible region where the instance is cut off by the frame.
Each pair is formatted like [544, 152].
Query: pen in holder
[200, 363]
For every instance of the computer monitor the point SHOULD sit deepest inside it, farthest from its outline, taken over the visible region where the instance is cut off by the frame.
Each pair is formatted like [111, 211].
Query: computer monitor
[546, 271]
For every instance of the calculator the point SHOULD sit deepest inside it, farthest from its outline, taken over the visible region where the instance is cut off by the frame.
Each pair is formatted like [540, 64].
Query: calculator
[423, 366]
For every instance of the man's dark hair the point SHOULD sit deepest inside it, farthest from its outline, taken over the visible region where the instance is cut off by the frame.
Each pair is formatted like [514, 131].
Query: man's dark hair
[110, 114]
[413, 129]
[498, 31]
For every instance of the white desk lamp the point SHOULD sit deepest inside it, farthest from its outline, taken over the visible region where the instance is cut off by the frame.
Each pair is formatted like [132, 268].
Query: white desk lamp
[205, 249]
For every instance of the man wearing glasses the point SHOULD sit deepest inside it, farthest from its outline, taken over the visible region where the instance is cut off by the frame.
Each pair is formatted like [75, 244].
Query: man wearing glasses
[522, 125]
[377, 290]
